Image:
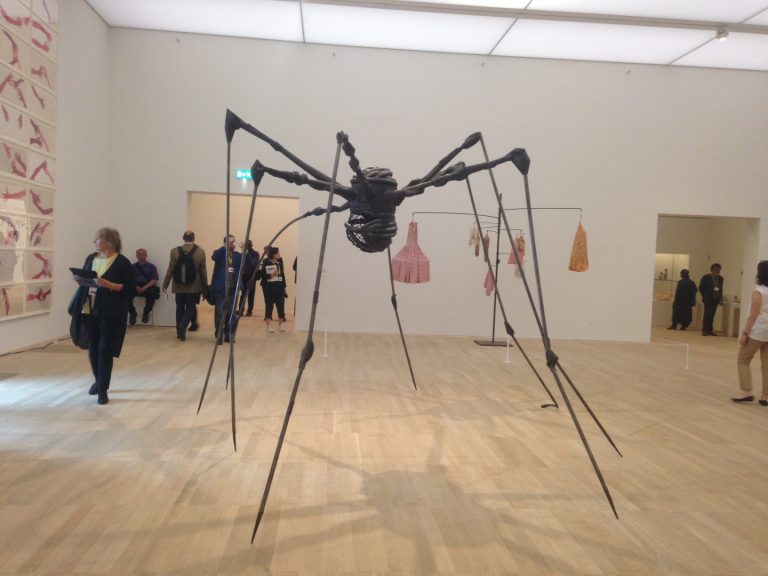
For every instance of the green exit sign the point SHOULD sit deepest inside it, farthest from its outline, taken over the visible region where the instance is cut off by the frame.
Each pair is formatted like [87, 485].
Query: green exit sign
[243, 174]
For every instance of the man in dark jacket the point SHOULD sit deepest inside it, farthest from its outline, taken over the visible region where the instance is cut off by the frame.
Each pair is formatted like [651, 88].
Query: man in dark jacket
[711, 289]
[225, 272]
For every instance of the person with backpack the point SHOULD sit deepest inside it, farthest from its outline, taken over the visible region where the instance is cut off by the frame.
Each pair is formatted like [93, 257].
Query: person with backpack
[188, 271]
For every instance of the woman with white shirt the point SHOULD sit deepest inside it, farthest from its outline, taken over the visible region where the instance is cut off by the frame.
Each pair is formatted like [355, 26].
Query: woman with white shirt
[754, 338]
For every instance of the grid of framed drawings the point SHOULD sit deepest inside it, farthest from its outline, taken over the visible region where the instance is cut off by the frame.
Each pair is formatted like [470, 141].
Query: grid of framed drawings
[28, 76]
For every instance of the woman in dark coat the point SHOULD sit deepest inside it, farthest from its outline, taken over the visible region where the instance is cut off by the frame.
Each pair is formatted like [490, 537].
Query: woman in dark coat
[100, 311]
[273, 285]
[685, 300]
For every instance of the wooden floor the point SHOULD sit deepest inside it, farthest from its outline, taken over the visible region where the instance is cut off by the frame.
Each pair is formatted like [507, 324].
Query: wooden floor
[466, 476]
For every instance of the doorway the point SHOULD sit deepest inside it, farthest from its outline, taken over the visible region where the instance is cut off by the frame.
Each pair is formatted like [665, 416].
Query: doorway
[206, 214]
[695, 243]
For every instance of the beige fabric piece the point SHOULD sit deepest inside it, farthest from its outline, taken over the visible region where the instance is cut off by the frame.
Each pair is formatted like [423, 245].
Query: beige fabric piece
[579, 256]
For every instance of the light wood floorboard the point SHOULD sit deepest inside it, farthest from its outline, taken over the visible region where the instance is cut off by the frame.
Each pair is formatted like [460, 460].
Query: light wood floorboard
[466, 476]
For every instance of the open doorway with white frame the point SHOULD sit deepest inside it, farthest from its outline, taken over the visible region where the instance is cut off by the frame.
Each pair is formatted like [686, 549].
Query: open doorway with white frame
[207, 218]
[695, 243]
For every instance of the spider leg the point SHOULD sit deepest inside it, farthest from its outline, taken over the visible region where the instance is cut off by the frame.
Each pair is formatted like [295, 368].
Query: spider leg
[459, 171]
[309, 346]
[258, 170]
[397, 315]
[522, 161]
[470, 141]
[233, 122]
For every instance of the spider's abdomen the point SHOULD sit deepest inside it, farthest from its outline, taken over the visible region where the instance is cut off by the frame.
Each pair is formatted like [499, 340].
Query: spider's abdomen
[371, 224]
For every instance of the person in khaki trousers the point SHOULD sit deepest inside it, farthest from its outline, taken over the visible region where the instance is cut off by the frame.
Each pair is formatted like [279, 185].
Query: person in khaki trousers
[187, 284]
[754, 338]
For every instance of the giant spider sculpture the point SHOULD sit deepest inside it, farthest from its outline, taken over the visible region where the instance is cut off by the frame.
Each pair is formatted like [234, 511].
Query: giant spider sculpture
[372, 199]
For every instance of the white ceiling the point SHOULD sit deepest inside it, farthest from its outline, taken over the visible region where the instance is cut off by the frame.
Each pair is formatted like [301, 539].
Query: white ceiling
[666, 32]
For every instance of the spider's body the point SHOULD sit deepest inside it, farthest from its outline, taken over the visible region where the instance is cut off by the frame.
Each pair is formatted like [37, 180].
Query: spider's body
[371, 224]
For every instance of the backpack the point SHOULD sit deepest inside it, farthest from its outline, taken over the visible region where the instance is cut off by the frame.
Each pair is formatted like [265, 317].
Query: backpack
[185, 271]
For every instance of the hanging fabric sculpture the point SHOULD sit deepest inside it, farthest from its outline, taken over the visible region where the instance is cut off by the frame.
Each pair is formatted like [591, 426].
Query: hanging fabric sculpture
[488, 283]
[411, 265]
[475, 241]
[579, 257]
[520, 245]
[486, 244]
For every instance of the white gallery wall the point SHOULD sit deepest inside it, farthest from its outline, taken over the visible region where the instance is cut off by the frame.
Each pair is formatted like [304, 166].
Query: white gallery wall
[624, 143]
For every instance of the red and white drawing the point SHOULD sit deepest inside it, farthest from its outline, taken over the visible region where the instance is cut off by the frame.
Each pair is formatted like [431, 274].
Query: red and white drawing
[42, 136]
[41, 102]
[13, 124]
[40, 201]
[13, 160]
[44, 39]
[13, 197]
[41, 70]
[47, 11]
[16, 16]
[42, 169]
[40, 234]
[11, 230]
[12, 301]
[39, 266]
[13, 51]
[38, 298]
[13, 87]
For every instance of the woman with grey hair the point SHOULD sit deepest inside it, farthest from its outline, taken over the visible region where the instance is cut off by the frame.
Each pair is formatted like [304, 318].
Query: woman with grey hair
[102, 305]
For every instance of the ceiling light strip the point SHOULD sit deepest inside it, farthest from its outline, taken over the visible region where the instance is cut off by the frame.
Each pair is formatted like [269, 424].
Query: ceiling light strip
[522, 14]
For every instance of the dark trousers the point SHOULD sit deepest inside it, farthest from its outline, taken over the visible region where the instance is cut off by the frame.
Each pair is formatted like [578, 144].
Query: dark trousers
[152, 294]
[100, 353]
[186, 310]
[219, 311]
[710, 307]
[681, 315]
[274, 299]
[251, 295]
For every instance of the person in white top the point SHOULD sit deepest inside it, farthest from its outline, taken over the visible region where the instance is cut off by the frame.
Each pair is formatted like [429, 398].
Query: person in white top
[754, 338]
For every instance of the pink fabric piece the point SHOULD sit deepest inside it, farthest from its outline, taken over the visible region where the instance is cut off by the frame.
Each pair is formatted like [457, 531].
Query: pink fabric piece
[488, 283]
[411, 265]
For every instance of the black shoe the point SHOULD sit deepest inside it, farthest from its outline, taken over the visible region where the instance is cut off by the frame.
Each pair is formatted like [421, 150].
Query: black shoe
[103, 398]
[683, 327]
[249, 313]
[182, 335]
[132, 320]
[194, 327]
[94, 389]
[745, 399]
[763, 402]
[145, 317]
[673, 327]
[708, 334]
